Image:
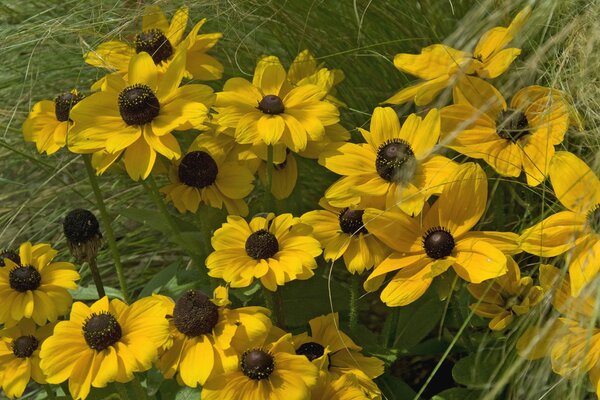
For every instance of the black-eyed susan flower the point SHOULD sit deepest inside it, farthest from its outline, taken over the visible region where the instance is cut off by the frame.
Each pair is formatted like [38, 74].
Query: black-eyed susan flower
[426, 246]
[576, 230]
[35, 288]
[103, 343]
[394, 167]
[134, 118]
[510, 139]
[342, 233]
[345, 387]
[20, 356]
[505, 297]
[161, 40]
[205, 175]
[274, 249]
[304, 69]
[440, 66]
[82, 230]
[206, 329]
[283, 178]
[265, 371]
[48, 122]
[270, 111]
[333, 352]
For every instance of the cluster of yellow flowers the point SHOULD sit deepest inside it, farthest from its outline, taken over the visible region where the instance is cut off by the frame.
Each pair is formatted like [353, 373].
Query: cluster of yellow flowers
[399, 210]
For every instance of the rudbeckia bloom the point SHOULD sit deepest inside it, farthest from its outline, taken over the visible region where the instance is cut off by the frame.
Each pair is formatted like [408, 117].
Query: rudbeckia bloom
[274, 249]
[333, 352]
[48, 122]
[204, 175]
[505, 297]
[342, 233]
[20, 356]
[205, 329]
[283, 178]
[394, 167]
[269, 371]
[440, 66]
[440, 238]
[161, 40]
[103, 343]
[35, 288]
[270, 111]
[304, 69]
[345, 387]
[576, 230]
[135, 117]
[510, 139]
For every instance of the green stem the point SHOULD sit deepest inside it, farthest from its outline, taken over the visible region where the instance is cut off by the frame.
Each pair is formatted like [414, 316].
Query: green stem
[97, 278]
[354, 295]
[391, 336]
[50, 391]
[139, 391]
[269, 180]
[109, 234]
[274, 302]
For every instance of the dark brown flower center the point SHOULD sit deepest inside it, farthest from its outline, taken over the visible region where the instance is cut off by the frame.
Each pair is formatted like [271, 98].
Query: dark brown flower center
[24, 278]
[512, 125]
[593, 219]
[24, 346]
[271, 104]
[261, 245]
[155, 43]
[11, 255]
[80, 226]
[257, 364]
[64, 102]
[351, 221]
[438, 243]
[198, 169]
[101, 331]
[194, 314]
[396, 161]
[138, 104]
[311, 350]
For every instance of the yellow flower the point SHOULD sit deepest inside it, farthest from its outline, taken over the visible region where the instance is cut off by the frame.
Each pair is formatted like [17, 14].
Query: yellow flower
[333, 352]
[48, 122]
[35, 288]
[576, 230]
[394, 167]
[204, 175]
[135, 118]
[268, 371]
[342, 233]
[441, 238]
[505, 297]
[275, 250]
[203, 329]
[20, 356]
[304, 69]
[510, 139]
[284, 176]
[345, 387]
[104, 343]
[440, 66]
[270, 111]
[161, 40]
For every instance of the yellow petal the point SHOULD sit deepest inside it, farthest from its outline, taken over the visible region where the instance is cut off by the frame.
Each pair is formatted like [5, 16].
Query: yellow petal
[498, 64]
[477, 260]
[269, 75]
[271, 127]
[177, 26]
[154, 18]
[480, 95]
[554, 235]
[139, 159]
[142, 70]
[434, 61]
[575, 184]
[384, 125]
[584, 265]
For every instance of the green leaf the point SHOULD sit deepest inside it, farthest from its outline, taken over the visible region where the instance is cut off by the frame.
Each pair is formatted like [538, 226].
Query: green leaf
[458, 394]
[87, 293]
[394, 388]
[479, 370]
[160, 280]
[416, 321]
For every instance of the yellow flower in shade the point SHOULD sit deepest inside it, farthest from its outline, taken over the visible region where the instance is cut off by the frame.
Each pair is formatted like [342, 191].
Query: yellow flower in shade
[35, 288]
[20, 356]
[576, 230]
[346, 387]
[334, 353]
[161, 40]
[48, 122]
[103, 343]
[304, 69]
[342, 233]
[135, 118]
[440, 66]
[394, 167]
[204, 175]
[440, 238]
[271, 111]
[265, 371]
[274, 249]
[510, 139]
[505, 297]
[205, 329]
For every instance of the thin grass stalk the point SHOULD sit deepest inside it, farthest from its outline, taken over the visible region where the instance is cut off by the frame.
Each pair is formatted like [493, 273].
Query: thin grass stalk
[354, 295]
[269, 180]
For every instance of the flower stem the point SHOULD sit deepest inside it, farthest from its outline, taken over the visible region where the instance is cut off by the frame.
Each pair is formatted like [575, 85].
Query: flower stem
[110, 236]
[354, 295]
[96, 276]
[274, 302]
[269, 180]
[122, 390]
[50, 392]
[139, 391]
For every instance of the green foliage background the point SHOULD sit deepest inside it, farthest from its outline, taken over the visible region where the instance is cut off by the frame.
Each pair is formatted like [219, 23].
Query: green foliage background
[41, 55]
